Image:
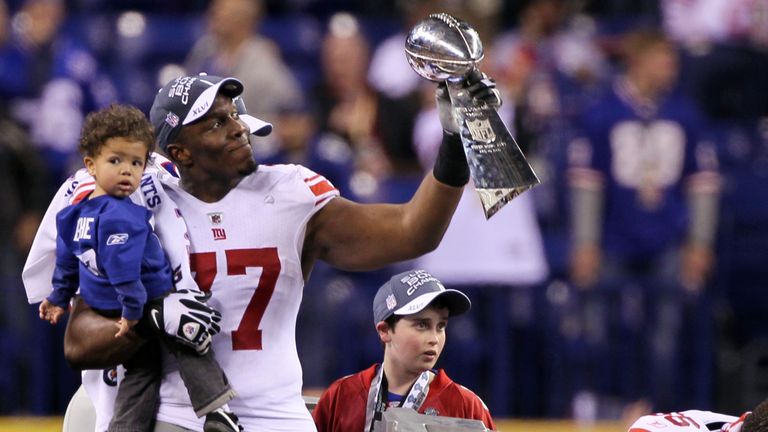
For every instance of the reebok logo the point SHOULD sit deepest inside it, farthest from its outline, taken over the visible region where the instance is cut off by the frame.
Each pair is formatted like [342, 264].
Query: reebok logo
[117, 239]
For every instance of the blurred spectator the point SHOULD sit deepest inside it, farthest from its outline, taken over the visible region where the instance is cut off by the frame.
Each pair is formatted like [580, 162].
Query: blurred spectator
[50, 81]
[232, 47]
[644, 196]
[24, 199]
[390, 72]
[23, 194]
[548, 68]
[377, 128]
[699, 23]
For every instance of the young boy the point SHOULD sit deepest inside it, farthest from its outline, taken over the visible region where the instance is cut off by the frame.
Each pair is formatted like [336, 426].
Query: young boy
[106, 246]
[410, 313]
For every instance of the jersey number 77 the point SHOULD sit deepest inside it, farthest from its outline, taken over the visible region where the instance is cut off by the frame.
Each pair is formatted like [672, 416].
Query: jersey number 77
[203, 264]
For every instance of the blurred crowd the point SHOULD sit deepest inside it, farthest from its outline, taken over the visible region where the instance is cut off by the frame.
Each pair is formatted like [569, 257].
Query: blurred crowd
[634, 276]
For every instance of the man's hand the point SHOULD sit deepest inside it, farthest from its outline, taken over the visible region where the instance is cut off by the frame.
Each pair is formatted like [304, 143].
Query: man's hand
[483, 88]
[480, 86]
[187, 319]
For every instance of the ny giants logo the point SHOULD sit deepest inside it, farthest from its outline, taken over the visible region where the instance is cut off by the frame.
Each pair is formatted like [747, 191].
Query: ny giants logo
[219, 233]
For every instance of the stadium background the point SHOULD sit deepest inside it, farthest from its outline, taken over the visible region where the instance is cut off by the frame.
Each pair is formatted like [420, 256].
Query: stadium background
[522, 348]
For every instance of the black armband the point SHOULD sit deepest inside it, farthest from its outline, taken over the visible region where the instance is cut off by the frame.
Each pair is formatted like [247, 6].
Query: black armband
[451, 166]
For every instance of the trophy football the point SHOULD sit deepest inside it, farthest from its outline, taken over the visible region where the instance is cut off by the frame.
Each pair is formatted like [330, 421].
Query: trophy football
[443, 48]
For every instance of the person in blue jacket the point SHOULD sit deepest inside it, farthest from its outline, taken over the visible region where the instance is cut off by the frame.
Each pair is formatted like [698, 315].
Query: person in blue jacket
[107, 247]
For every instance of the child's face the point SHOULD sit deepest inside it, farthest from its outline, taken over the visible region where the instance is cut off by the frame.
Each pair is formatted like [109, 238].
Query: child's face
[417, 340]
[117, 167]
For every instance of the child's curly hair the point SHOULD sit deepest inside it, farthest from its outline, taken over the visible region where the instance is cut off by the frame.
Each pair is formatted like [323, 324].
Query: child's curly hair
[115, 121]
[758, 420]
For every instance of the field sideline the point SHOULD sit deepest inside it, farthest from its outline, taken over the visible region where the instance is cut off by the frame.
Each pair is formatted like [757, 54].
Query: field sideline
[53, 424]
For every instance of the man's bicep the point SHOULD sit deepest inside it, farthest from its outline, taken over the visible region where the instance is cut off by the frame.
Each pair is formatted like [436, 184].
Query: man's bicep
[90, 342]
[353, 236]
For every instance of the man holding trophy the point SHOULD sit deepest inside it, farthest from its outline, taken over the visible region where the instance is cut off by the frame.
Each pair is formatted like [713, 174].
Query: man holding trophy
[345, 234]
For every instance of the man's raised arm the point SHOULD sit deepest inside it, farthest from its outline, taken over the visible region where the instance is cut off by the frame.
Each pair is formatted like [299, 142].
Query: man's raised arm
[355, 236]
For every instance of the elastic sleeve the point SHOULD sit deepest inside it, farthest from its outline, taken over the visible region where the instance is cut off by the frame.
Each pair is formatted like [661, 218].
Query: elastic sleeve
[133, 297]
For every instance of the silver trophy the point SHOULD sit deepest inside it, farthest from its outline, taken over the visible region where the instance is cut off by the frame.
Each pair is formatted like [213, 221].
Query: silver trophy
[443, 48]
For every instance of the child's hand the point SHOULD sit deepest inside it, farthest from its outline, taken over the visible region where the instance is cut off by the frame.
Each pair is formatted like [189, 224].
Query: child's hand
[50, 312]
[125, 326]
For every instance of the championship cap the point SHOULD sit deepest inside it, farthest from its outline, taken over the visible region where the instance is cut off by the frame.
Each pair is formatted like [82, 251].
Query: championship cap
[409, 292]
[188, 98]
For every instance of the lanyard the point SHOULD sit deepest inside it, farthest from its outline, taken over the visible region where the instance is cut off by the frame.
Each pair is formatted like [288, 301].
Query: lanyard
[377, 402]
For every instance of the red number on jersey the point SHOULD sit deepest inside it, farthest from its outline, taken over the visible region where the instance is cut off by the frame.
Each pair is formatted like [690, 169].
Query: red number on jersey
[679, 419]
[248, 334]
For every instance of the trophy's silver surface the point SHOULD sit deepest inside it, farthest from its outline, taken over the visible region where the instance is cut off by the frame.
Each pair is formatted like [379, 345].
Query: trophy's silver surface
[397, 419]
[443, 48]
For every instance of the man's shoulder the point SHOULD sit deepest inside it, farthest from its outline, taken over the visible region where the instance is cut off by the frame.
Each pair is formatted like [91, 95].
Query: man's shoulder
[281, 170]
[290, 176]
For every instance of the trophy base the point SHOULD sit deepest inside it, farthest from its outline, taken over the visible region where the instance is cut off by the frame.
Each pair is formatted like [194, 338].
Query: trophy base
[494, 199]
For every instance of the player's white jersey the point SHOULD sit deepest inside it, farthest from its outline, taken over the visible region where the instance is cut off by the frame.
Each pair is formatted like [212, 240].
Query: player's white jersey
[688, 421]
[246, 249]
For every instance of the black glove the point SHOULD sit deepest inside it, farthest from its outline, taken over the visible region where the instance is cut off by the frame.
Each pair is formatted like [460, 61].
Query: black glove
[481, 87]
[451, 164]
[186, 318]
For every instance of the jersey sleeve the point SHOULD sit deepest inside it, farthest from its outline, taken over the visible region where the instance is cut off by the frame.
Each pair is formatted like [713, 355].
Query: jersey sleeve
[41, 260]
[685, 421]
[320, 187]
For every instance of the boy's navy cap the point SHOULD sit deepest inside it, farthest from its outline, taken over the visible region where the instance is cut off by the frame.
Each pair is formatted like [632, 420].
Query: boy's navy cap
[409, 292]
[189, 98]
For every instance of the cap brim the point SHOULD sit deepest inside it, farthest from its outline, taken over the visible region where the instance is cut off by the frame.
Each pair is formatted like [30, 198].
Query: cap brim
[231, 87]
[457, 302]
[258, 127]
